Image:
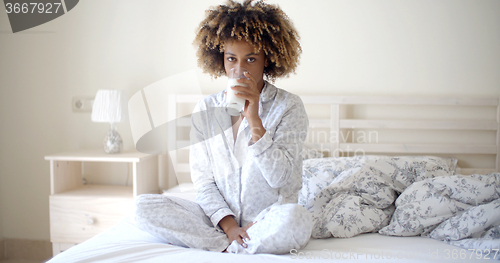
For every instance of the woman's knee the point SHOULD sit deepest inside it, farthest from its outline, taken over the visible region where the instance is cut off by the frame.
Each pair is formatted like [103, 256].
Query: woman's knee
[297, 215]
[295, 222]
[301, 222]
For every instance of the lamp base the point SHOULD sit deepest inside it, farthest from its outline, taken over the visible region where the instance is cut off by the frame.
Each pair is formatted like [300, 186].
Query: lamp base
[113, 141]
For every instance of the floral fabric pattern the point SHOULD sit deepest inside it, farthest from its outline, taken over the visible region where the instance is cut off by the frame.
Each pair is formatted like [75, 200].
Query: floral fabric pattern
[402, 196]
[426, 204]
[318, 173]
[477, 228]
[360, 199]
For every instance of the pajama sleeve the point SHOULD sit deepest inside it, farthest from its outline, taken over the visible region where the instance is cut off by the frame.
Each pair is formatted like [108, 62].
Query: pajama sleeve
[208, 195]
[278, 152]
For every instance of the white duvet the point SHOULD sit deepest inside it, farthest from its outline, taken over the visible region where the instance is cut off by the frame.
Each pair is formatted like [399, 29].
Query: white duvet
[403, 196]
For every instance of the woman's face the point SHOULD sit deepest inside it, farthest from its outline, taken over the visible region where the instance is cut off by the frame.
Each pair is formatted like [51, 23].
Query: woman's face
[240, 54]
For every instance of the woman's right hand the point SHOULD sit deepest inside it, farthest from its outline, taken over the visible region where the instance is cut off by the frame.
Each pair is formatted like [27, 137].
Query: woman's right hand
[234, 231]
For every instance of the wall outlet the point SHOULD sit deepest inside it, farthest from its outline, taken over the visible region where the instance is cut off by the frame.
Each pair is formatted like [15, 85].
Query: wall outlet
[82, 104]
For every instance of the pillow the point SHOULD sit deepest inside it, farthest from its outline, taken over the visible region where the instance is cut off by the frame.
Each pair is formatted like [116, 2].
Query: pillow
[402, 171]
[476, 222]
[426, 204]
[319, 173]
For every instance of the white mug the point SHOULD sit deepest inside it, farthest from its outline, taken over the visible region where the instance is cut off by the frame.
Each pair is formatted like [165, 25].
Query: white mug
[235, 105]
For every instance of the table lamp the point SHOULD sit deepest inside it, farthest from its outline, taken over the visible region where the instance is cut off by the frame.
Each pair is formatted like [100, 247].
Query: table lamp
[110, 106]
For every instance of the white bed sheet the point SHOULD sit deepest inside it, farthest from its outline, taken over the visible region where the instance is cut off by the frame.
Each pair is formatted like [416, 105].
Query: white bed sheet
[126, 243]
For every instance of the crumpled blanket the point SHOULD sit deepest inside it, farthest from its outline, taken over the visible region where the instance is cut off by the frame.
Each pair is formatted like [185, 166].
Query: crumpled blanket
[402, 196]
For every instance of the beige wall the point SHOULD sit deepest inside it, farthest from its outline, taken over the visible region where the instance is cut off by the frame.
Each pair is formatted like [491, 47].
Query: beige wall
[424, 47]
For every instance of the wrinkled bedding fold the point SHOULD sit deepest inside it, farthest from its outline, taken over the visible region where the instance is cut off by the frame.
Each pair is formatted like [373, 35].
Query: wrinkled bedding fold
[402, 196]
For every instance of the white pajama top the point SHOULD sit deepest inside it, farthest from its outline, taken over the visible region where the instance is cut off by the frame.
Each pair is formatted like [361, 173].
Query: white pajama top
[241, 178]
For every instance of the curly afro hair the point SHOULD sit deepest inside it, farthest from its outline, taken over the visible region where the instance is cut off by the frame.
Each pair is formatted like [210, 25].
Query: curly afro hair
[264, 26]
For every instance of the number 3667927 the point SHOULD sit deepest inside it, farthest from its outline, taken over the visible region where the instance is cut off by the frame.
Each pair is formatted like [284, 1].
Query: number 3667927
[25, 8]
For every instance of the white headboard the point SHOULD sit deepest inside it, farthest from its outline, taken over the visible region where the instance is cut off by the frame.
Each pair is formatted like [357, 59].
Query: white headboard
[463, 128]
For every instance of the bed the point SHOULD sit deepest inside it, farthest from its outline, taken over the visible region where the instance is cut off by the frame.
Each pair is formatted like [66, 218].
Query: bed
[405, 178]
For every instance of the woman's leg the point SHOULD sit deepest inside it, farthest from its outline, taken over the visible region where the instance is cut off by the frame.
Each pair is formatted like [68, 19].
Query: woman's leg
[277, 230]
[179, 222]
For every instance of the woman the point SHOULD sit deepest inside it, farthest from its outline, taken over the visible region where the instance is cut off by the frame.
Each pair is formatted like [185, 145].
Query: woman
[247, 169]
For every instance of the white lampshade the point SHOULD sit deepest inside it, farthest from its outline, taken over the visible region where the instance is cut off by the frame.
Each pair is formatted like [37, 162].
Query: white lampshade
[109, 106]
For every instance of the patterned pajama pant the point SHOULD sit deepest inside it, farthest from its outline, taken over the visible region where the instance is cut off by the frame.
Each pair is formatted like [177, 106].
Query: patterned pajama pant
[177, 221]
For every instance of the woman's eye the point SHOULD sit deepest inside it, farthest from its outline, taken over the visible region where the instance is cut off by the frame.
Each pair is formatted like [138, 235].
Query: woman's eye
[251, 59]
[230, 59]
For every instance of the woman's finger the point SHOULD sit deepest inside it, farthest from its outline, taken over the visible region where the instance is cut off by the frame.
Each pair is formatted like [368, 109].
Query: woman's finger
[245, 239]
[241, 241]
[245, 236]
[248, 97]
[243, 88]
[250, 77]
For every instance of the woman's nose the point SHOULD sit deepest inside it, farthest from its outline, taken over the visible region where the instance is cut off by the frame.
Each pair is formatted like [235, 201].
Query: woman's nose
[240, 63]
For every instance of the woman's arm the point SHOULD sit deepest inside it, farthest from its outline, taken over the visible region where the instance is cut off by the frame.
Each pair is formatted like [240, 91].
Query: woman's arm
[208, 195]
[277, 152]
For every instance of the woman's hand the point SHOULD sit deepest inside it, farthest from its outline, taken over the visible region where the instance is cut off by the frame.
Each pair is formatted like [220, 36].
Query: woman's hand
[252, 96]
[239, 234]
[234, 231]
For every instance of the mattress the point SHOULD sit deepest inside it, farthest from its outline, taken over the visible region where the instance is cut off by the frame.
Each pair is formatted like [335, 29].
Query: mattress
[124, 242]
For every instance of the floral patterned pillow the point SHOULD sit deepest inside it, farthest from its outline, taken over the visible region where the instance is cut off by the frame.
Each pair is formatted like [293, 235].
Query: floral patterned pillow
[426, 204]
[317, 173]
[475, 222]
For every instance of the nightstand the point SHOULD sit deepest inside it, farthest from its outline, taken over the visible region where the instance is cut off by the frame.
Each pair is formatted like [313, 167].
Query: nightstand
[79, 211]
